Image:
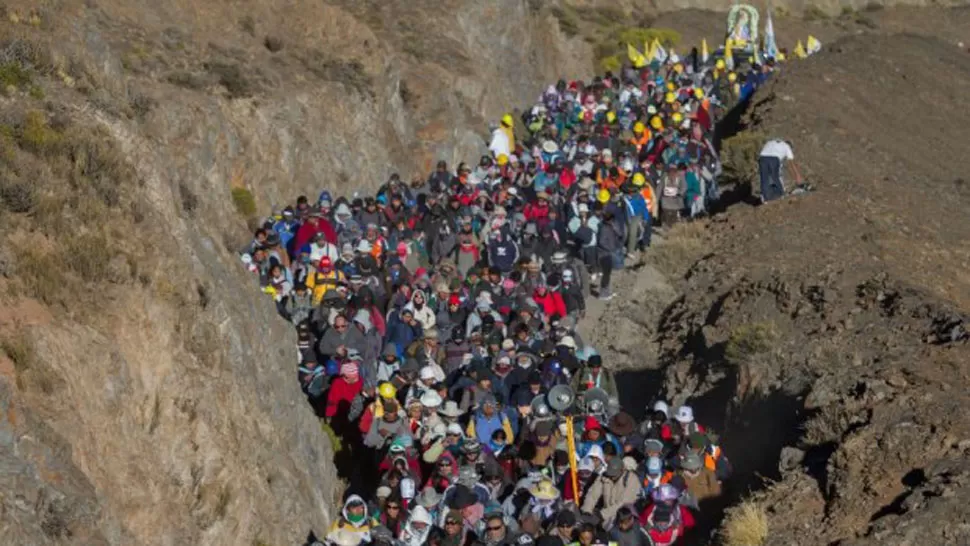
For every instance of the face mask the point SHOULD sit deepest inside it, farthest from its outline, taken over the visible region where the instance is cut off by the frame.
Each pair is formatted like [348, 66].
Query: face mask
[355, 519]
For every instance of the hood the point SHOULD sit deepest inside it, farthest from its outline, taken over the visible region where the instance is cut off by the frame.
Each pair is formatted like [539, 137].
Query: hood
[351, 500]
[362, 317]
[415, 293]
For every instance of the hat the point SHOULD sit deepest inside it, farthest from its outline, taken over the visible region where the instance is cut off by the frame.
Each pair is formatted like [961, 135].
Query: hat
[483, 305]
[685, 414]
[614, 468]
[426, 372]
[544, 490]
[428, 497]
[431, 334]
[583, 207]
[454, 516]
[383, 492]
[591, 423]
[586, 463]
[453, 428]
[653, 445]
[349, 371]
[364, 246]
[568, 341]
[660, 405]
[402, 249]
[544, 428]
[451, 409]
[622, 424]
[654, 466]
[462, 497]
[586, 183]
[691, 462]
[430, 399]
[471, 446]
[550, 147]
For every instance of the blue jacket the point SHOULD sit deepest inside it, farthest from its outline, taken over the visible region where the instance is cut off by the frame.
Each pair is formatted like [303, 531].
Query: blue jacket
[636, 206]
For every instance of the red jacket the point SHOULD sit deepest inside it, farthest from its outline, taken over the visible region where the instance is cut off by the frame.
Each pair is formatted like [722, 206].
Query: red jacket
[340, 395]
[667, 536]
[313, 226]
[551, 303]
[534, 212]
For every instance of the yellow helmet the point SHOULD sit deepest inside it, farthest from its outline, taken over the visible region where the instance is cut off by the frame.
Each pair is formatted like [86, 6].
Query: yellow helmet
[671, 86]
[657, 123]
[639, 127]
[719, 64]
[387, 390]
[502, 160]
[670, 97]
[507, 120]
[610, 116]
[639, 179]
[698, 93]
[732, 77]
[603, 196]
[678, 68]
[677, 117]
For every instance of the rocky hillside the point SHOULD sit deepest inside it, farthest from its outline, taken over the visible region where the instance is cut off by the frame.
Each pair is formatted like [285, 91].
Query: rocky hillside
[147, 390]
[826, 337]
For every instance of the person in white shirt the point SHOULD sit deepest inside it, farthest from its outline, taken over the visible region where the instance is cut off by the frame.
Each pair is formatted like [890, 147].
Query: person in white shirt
[772, 158]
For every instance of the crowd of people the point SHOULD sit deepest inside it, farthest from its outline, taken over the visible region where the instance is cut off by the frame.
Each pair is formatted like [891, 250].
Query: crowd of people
[434, 317]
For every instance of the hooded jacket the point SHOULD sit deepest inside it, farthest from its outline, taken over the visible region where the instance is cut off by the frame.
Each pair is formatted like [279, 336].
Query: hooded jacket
[614, 494]
[423, 314]
[361, 528]
[410, 536]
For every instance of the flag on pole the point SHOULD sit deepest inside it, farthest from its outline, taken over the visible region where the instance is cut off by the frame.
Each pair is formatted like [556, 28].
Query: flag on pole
[637, 58]
[659, 53]
[705, 55]
[771, 47]
[672, 56]
[800, 50]
[728, 54]
[812, 45]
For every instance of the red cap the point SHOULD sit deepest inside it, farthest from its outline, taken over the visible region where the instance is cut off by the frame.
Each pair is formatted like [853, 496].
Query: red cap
[325, 263]
[454, 300]
[591, 423]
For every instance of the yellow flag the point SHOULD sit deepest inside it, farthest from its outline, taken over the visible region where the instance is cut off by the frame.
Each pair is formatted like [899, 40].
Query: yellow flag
[637, 58]
[652, 50]
[800, 50]
[728, 54]
[812, 45]
[704, 54]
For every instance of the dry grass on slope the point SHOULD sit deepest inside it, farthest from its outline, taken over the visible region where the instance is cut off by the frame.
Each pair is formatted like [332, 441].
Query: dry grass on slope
[745, 525]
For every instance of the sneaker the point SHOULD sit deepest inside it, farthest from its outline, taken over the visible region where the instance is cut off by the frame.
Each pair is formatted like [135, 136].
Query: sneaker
[606, 296]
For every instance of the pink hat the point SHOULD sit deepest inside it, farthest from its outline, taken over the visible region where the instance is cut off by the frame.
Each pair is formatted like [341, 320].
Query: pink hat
[349, 371]
[402, 249]
[508, 284]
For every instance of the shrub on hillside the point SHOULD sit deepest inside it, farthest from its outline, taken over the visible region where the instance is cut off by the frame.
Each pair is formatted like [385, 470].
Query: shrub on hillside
[749, 340]
[244, 201]
[745, 525]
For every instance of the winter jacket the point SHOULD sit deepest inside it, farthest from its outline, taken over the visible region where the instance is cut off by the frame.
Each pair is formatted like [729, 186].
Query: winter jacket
[503, 254]
[375, 439]
[551, 303]
[424, 314]
[482, 427]
[362, 529]
[340, 395]
[613, 494]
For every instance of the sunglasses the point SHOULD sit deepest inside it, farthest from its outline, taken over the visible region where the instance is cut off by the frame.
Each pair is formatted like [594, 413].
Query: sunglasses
[452, 522]
[490, 528]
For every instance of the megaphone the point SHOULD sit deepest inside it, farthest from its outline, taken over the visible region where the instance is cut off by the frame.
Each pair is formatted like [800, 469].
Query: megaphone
[561, 397]
[539, 406]
[595, 400]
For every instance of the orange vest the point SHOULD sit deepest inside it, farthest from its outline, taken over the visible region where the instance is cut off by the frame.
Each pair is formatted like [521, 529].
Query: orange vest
[642, 141]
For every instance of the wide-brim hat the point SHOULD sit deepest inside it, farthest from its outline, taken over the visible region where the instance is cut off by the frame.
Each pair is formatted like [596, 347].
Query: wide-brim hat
[544, 490]
[622, 424]
[462, 497]
[450, 409]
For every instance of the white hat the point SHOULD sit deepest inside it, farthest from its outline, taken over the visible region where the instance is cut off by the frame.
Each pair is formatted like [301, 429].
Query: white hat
[383, 492]
[660, 405]
[420, 514]
[583, 207]
[454, 428]
[364, 246]
[607, 153]
[586, 463]
[685, 414]
[451, 409]
[568, 341]
[427, 372]
[430, 399]
[550, 147]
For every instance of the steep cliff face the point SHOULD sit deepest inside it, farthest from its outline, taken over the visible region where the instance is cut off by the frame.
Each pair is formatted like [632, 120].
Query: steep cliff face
[147, 393]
